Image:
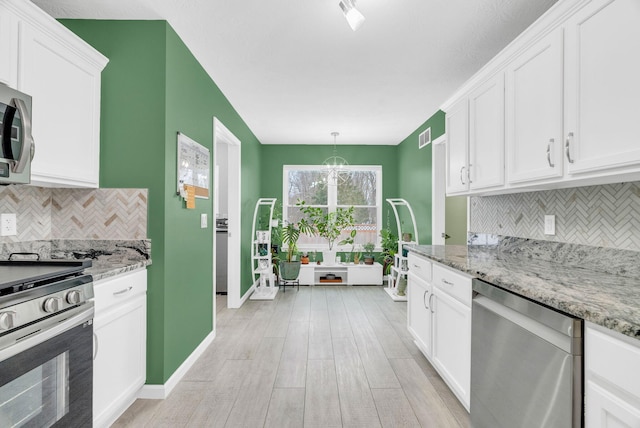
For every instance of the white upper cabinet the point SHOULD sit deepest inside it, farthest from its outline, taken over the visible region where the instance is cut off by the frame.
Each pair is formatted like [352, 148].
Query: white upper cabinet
[602, 86]
[534, 112]
[486, 134]
[62, 74]
[8, 49]
[570, 103]
[457, 124]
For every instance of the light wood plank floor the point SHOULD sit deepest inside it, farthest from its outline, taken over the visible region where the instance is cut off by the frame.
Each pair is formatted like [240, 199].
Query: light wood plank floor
[330, 356]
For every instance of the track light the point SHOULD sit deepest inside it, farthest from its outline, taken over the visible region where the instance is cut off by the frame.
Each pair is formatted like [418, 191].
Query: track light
[353, 15]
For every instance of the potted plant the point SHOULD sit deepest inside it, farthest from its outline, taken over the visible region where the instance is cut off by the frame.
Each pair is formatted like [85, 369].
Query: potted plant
[327, 225]
[349, 240]
[357, 255]
[289, 233]
[389, 243]
[368, 256]
[304, 258]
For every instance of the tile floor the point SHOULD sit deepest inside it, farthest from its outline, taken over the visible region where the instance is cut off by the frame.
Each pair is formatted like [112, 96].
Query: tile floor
[330, 356]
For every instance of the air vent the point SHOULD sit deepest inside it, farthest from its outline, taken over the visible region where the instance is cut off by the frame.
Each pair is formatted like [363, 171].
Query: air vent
[424, 138]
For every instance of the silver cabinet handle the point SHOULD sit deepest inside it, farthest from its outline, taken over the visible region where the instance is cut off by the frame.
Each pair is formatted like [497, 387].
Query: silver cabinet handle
[444, 281]
[551, 164]
[469, 174]
[461, 180]
[95, 345]
[566, 146]
[431, 304]
[125, 290]
[424, 297]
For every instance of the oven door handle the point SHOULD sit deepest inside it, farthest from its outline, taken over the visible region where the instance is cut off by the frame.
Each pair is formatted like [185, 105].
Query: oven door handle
[35, 334]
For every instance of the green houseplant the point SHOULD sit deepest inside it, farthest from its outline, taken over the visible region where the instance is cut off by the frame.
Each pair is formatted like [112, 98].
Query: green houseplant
[368, 256]
[289, 234]
[389, 243]
[328, 225]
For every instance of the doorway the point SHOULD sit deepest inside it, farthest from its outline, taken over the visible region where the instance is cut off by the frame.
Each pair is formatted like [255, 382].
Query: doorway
[449, 213]
[226, 149]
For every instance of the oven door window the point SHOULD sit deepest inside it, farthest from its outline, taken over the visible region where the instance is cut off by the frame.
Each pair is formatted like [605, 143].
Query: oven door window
[49, 384]
[39, 397]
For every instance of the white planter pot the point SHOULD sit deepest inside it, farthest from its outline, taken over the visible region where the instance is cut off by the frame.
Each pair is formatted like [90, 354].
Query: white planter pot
[329, 257]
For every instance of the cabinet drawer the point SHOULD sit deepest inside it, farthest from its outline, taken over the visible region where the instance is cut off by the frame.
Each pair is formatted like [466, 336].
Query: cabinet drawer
[612, 358]
[420, 266]
[455, 284]
[119, 289]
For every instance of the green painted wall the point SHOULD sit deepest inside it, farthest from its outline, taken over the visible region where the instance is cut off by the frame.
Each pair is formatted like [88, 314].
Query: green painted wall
[152, 88]
[414, 178]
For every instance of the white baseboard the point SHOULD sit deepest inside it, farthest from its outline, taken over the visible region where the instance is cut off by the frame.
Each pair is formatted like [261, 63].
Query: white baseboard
[247, 294]
[160, 392]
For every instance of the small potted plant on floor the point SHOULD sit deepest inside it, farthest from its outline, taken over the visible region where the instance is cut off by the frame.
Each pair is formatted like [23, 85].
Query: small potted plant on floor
[368, 250]
[290, 233]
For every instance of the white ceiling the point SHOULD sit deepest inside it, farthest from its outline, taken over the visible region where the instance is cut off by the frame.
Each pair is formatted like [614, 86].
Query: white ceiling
[295, 71]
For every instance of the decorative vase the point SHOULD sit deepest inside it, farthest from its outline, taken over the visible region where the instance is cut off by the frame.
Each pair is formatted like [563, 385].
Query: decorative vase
[289, 271]
[356, 259]
[329, 257]
[304, 260]
[368, 260]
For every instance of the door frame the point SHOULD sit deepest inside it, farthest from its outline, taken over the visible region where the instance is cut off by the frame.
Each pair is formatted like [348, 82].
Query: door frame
[222, 135]
[438, 189]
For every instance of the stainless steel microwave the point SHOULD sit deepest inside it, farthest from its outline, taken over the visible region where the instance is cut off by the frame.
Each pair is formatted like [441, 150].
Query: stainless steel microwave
[16, 142]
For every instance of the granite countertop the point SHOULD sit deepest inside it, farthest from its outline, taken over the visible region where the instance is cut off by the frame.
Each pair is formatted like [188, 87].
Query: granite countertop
[598, 285]
[109, 257]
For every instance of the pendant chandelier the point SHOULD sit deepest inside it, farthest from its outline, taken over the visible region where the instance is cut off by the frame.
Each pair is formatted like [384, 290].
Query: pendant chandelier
[336, 166]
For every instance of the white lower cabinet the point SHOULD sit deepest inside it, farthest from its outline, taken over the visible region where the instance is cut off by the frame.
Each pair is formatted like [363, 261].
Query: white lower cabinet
[439, 319]
[120, 325]
[612, 380]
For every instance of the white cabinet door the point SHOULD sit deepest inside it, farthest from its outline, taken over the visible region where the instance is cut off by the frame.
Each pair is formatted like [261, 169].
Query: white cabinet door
[65, 87]
[486, 134]
[605, 410]
[452, 343]
[534, 106]
[8, 48]
[602, 85]
[120, 325]
[457, 131]
[419, 312]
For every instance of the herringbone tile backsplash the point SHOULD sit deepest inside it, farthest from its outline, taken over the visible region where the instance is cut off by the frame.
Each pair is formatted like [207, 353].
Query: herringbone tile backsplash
[44, 213]
[603, 216]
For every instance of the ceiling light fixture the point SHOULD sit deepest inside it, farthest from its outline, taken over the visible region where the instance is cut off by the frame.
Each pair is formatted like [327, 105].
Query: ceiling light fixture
[336, 165]
[353, 15]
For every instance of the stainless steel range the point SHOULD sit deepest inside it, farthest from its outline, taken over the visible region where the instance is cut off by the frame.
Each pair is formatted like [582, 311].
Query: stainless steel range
[46, 343]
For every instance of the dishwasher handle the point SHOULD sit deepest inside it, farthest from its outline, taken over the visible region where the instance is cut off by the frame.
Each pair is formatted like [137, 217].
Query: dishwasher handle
[558, 339]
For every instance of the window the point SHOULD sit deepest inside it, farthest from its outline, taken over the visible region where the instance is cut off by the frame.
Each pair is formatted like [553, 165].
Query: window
[360, 186]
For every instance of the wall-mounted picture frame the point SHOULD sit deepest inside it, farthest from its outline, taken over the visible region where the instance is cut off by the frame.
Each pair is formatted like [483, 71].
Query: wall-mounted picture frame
[194, 166]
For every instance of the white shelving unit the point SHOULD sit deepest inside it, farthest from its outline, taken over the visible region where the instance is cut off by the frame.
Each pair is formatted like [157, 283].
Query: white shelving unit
[400, 266]
[264, 279]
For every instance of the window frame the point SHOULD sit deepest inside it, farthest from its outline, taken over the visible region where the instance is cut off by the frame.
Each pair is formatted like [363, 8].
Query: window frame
[332, 200]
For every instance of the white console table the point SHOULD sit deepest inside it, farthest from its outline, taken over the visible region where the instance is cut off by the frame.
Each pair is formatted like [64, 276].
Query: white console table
[349, 273]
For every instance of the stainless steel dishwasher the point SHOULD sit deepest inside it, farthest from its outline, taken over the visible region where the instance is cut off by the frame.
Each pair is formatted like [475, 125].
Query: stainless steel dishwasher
[526, 363]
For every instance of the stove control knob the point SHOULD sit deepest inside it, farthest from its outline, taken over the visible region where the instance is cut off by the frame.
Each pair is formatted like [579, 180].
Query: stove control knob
[74, 297]
[8, 320]
[52, 304]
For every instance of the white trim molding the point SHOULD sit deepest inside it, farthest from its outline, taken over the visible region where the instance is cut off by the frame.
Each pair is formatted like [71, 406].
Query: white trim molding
[160, 392]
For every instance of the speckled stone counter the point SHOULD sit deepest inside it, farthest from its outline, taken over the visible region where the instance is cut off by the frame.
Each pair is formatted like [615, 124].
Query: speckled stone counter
[599, 285]
[109, 257]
